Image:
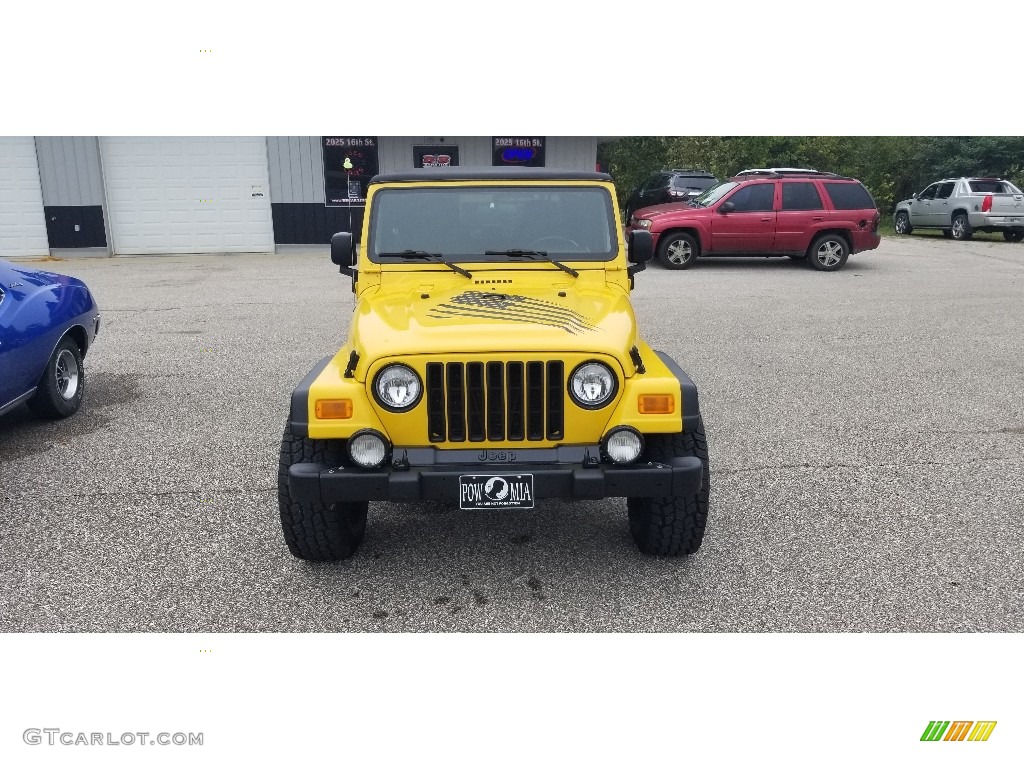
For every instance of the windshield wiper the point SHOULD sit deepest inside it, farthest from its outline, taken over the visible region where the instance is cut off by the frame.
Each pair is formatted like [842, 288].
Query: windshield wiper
[434, 257]
[543, 254]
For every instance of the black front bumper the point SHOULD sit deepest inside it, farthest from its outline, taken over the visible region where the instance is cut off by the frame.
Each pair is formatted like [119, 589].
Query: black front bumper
[319, 483]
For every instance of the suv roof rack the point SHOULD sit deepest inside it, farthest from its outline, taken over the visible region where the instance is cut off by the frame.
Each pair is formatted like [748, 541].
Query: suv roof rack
[693, 171]
[776, 171]
[780, 172]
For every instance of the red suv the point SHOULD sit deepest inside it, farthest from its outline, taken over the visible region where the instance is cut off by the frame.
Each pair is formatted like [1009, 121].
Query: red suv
[798, 213]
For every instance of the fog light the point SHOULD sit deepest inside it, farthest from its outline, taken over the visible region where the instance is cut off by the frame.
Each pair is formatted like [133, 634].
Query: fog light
[367, 449]
[623, 445]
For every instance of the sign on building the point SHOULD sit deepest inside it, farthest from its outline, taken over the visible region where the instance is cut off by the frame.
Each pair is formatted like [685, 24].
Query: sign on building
[526, 151]
[434, 156]
[349, 164]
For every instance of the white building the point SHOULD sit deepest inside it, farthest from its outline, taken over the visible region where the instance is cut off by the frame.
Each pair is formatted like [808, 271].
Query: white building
[149, 195]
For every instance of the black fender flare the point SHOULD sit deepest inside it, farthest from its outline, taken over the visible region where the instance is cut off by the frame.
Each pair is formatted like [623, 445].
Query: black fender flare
[298, 413]
[688, 392]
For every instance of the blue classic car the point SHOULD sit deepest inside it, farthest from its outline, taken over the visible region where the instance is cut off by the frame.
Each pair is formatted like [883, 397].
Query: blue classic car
[47, 324]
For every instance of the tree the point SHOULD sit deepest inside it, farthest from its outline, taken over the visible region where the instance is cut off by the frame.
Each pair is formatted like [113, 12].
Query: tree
[891, 167]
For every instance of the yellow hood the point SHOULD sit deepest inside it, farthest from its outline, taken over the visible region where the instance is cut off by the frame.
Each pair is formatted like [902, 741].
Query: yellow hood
[506, 312]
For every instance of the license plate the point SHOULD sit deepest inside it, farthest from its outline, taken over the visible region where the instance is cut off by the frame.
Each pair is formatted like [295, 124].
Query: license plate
[495, 491]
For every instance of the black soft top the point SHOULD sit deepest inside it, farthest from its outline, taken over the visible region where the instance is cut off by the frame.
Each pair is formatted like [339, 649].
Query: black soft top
[485, 173]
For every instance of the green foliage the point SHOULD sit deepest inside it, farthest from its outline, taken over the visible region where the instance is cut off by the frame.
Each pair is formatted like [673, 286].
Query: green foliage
[891, 167]
[631, 160]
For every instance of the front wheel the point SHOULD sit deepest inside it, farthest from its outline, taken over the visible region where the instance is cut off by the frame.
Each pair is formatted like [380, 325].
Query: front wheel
[61, 388]
[672, 525]
[1013, 235]
[902, 224]
[961, 227]
[678, 250]
[315, 531]
[828, 253]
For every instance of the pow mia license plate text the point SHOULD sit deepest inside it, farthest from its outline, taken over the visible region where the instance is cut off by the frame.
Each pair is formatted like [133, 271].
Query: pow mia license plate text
[495, 491]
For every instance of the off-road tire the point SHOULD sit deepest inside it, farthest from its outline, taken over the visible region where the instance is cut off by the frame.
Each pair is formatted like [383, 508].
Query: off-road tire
[61, 388]
[902, 224]
[678, 250]
[1013, 235]
[828, 253]
[961, 227]
[315, 531]
[672, 525]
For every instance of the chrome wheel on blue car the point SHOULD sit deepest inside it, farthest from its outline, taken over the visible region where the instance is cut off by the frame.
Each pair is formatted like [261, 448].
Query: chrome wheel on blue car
[62, 385]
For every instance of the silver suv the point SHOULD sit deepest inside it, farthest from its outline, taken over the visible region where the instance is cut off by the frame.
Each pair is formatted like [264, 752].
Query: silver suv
[961, 207]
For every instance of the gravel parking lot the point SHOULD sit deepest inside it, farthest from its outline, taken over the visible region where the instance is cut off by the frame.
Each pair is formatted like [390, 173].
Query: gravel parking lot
[866, 430]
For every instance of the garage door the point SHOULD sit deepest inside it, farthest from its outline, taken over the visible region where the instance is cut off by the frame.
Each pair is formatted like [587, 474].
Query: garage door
[188, 195]
[22, 223]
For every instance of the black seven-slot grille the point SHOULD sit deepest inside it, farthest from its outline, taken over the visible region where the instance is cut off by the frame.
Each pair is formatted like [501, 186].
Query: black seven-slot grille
[495, 401]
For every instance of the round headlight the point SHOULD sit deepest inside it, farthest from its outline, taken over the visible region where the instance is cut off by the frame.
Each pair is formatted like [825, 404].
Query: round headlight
[592, 385]
[623, 445]
[397, 387]
[367, 449]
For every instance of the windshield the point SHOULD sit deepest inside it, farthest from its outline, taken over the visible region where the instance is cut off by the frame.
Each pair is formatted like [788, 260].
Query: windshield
[575, 223]
[716, 193]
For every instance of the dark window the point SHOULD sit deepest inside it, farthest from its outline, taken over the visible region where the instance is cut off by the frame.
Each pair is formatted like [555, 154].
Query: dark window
[992, 186]
[849, 196]
[928, 194]
[693, 183]
[800, 196]
[754, 197]
[658, 181]
[945, 190]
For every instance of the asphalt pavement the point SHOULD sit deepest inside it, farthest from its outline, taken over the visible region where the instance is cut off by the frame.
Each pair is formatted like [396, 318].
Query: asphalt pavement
[866, 431]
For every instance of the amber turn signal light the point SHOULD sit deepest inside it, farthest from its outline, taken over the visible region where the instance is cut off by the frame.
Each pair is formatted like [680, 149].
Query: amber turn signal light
[334, 409]
[656, 404]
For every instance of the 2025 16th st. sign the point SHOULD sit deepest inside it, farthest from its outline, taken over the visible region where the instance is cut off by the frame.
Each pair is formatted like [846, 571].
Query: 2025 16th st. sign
[345, 183]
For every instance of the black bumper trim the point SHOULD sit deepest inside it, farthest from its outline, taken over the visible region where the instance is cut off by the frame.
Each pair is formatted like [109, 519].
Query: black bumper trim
[319, 483]
[298, 415]
[691, 406]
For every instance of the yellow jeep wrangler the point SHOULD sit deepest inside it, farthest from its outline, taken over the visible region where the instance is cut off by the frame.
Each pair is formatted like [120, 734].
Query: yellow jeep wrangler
[492, 360]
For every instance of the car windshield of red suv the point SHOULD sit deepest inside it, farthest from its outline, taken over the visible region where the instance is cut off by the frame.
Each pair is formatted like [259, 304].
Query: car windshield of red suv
[713, 195]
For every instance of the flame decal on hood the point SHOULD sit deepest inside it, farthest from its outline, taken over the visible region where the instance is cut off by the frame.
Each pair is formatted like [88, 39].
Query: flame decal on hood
[513, 309]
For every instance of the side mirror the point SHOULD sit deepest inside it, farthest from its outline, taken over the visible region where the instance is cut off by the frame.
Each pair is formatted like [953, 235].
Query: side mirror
[914, 196]
[641, 247]
[343, 252]
[639, 251]
[727, 207]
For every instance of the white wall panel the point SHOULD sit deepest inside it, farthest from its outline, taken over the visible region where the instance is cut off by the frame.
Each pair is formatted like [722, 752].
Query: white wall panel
[188, 194]
[22, 222]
